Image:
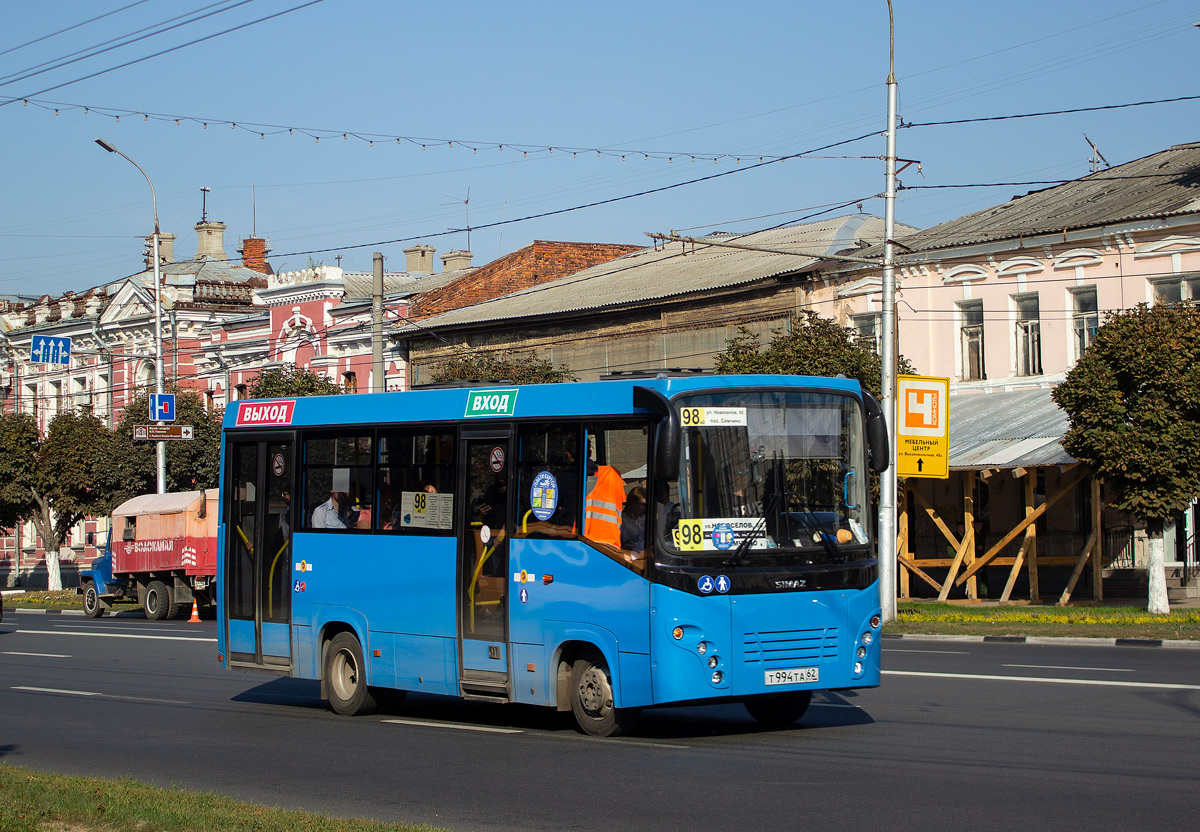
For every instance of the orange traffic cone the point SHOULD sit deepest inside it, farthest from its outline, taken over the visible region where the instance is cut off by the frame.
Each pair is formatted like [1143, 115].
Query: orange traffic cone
[195, 619]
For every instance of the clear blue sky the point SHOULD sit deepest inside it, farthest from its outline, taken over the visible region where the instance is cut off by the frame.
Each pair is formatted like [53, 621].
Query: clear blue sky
[675, 78]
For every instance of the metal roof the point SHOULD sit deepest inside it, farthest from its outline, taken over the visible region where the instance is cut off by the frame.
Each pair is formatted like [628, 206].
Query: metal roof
[1161, 185]
[674, 271]
[1007, 429]
[360, 284]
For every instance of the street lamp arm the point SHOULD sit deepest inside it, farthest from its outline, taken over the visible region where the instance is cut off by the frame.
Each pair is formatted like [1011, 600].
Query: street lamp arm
[153, 197]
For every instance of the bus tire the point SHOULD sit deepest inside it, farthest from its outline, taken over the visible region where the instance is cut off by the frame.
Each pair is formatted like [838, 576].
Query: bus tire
[592, 699]
[156, 601]
[346, 677]
[778, 710]
[92, 607]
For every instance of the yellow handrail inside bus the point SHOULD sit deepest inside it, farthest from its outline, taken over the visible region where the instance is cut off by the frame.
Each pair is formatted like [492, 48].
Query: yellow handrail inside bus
[242, 535]
[271, 579]
[483, 558]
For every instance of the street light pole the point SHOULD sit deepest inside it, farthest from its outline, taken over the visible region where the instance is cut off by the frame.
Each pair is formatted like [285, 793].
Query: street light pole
[161, 450]
[887, 484]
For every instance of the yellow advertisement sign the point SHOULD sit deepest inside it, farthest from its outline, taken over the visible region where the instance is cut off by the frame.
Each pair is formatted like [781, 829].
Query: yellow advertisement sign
[923, 427]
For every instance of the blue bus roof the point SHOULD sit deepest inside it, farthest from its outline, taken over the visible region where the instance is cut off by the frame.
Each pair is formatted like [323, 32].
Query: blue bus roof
[600, 398]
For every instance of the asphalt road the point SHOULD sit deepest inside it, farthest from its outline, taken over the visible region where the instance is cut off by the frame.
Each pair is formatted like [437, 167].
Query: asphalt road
[960, 736]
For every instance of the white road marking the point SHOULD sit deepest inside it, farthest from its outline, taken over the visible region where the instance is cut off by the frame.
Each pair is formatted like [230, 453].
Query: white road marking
[105, 695]
[1068, 667]
[458, 726]
[40, 655]
[833, 705]
[58, 690]
[1045, 679]
[113, 635]
[939, 652]
[110, 628]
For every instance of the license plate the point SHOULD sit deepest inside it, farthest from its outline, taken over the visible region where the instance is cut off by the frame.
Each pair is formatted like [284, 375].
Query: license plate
[794, 676]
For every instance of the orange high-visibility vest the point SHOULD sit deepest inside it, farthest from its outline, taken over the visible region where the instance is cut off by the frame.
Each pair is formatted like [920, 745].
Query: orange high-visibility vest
[602, 509]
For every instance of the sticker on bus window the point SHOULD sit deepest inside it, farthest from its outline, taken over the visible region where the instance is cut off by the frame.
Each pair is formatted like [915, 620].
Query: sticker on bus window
[713, 417]
[423, 510]
[716, 534]
[543, 495]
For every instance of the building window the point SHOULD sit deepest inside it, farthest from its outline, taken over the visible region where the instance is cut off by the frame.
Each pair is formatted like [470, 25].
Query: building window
[1177, 289]
[239, 392]
[349, 382]
[210, 404]
[868, 330]
[1028, 335]
[1085, 318]
[971, 338]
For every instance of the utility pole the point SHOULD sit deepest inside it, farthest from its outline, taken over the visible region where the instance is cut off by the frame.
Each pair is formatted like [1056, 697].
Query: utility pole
[887, 484]
[377, 381]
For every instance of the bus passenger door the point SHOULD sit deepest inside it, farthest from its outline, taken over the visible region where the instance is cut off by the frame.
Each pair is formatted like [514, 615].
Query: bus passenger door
[258, 542]
[483, 564]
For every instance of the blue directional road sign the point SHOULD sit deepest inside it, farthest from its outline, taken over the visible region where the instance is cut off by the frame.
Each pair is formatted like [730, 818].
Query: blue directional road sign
[162, 407]
[48, 350]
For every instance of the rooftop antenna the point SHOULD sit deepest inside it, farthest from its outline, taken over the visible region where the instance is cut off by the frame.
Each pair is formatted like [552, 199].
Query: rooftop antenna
[1097, 156]
[204, 203]
[338, 258]
[253, 212]
[467, 210]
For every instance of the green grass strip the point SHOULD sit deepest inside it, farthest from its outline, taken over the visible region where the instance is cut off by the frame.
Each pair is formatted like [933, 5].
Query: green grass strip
[32, 801]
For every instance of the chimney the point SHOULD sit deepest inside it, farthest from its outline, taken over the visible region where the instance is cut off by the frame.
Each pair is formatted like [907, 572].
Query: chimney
[419, 259]
[254, 255]
[210, 240]
[454, 260]
[166, 249]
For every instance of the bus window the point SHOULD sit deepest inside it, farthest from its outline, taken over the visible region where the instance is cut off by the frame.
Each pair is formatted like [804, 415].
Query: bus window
[416, 482]
[548, 480]
[339, 486]
[616, 497]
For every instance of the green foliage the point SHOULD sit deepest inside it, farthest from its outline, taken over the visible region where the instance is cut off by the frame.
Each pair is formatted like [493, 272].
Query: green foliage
[55, 480]
[1134, 404]
[523, 368]
[806, 345]
[290, 380]
[129, 468]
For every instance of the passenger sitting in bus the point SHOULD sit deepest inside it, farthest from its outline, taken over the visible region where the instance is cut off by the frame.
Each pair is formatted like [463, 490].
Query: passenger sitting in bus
[329, 515]
[633, 520]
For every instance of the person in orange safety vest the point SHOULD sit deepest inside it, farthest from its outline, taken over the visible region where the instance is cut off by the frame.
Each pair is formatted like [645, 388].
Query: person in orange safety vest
[602, 509]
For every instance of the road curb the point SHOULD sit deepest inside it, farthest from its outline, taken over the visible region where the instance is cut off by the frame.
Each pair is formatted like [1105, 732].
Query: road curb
[48, 612]
[1184, 644]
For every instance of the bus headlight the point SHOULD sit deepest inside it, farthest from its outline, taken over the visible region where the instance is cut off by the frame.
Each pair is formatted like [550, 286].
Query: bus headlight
[876, 621]
[712, 661]
[861, 652]
[677, 633]
[717, 677]
[702, 648]
[867, 638]
[858, 668]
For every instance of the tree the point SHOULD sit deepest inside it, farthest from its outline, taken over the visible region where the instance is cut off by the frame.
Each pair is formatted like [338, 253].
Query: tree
[129, 467]
[807, 345]
[522, 368]
[1134, 405]
[52, 481]
[289, 380]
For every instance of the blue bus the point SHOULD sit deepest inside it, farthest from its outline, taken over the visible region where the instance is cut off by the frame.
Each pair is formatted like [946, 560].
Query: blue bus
[598, 547]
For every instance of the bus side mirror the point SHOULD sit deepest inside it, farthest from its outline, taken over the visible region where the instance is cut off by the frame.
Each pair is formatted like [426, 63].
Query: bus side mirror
[666, 434]
[877, 436]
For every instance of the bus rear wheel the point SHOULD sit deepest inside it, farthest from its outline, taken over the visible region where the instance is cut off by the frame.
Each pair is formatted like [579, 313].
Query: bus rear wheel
[92, 607]
[156, 601]
[592, 699]
[346, 677]
[781, 709]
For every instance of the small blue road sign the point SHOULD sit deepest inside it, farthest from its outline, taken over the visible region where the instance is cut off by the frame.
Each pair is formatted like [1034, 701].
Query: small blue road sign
[723, 584]
[48, 350]
[705, 584]
[162, 407]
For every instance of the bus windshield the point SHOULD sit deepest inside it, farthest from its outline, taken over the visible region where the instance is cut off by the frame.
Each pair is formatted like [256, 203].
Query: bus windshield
[770, 470]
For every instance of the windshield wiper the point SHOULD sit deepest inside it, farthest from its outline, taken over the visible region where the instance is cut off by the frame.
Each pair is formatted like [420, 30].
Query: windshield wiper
[759, 526]
[810, 521]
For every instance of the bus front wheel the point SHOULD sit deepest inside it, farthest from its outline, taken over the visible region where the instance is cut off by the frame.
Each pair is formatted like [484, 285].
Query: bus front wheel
[781, 709]
[92, 607]
[592, 699]
[346, 677]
